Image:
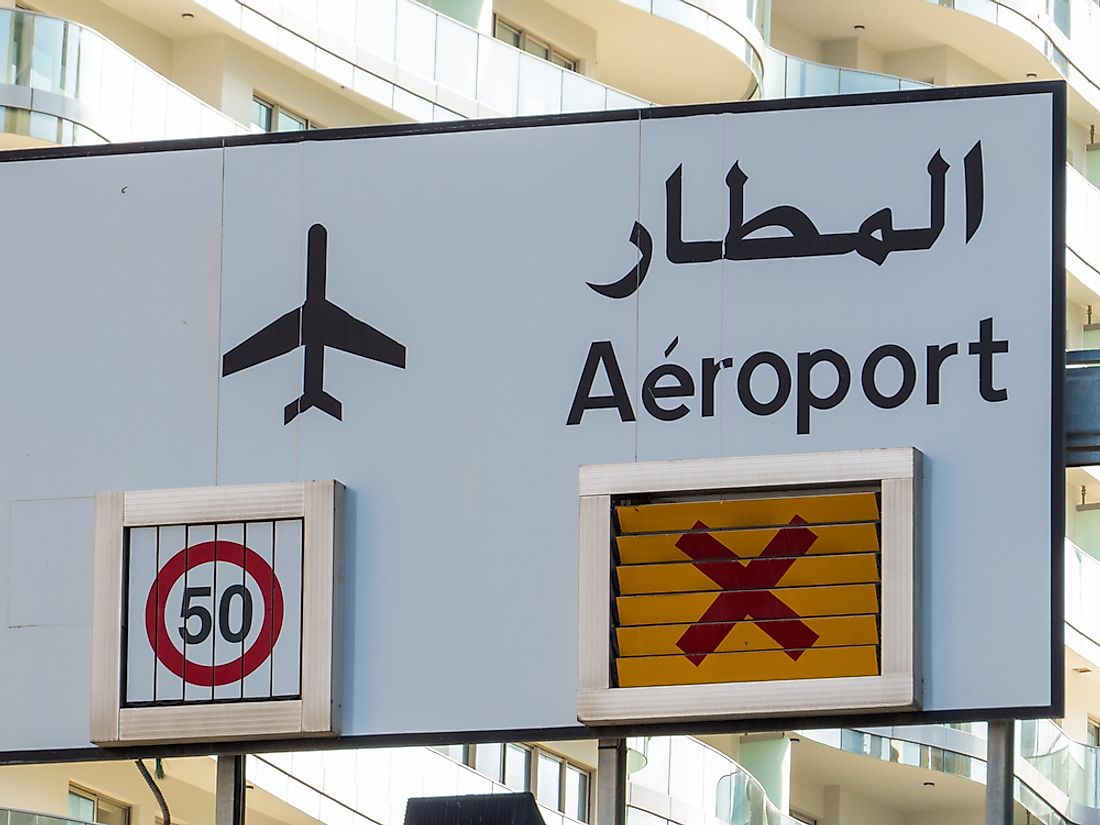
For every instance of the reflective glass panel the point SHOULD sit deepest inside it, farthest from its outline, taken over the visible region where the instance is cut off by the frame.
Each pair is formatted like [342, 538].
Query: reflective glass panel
[487, 759]
[261, 114]
[549, 785]
[286, 122]
[108, 813]
[576, 794]
[537, 48]
[81, 807]
[508, 34]
[517, 767]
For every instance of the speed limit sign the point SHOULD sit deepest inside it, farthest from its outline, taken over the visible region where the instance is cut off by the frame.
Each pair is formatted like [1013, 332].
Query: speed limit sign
[214, 611]
[226, 600]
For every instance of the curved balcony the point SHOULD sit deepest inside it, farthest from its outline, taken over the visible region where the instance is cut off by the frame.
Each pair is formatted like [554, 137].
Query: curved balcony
[995, 39]
[61, 83]
[1057, 779]
[714, 52]
[687, 780]
[421, 64]
[426, 66]
[789, 76]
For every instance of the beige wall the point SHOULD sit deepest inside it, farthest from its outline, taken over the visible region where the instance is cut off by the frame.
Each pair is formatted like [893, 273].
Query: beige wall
[973, 816]
[547, 23]
[224, 72]
[853, 53]
[789, 39]
[188, 788]
[844, 806]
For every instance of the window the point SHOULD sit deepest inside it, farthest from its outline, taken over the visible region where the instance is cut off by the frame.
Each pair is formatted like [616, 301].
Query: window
[271, 117]
[1092, 733]
[556, 782]
[515, 36]
[456, 752]
[91, 807]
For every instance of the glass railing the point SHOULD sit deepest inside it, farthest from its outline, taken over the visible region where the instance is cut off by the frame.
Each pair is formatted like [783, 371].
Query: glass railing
[1066, 32]
[70, 85]
[1057, 778]
[13, 816]
[421, 63]
[699, 777]
[1082, 218]
[1082, 575]
[787, 76]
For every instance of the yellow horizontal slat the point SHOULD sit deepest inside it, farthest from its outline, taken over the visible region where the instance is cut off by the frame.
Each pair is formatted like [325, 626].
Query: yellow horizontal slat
[842, 538]
[804, 601]
[748, 512]
[832, 631]
[748, 667]
[686, 577]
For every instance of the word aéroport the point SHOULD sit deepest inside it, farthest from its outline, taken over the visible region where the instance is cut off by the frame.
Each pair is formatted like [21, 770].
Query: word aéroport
[670, 382]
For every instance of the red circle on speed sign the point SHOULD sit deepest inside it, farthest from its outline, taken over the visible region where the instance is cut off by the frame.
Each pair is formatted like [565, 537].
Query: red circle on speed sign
[231, 553]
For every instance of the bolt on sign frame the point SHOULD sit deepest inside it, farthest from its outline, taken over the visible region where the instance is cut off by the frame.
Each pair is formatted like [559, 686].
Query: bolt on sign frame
[779, 612]
[148, 685]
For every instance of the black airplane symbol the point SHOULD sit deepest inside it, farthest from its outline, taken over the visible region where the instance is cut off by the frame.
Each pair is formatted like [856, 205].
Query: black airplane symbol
[316, 324]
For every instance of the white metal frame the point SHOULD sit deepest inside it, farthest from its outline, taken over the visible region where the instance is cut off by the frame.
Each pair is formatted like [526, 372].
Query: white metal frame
[316, 713]
[897, 688]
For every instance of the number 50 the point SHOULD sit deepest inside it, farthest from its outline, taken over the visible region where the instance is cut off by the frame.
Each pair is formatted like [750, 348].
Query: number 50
[206, 621]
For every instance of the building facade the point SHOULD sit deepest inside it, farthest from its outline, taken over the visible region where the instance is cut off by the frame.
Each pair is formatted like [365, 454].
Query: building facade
[86, 72]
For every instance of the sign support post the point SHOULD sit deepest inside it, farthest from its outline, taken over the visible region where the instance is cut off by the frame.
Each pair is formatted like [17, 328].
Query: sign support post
[1000, 751]
[610, 782]
[229, 790]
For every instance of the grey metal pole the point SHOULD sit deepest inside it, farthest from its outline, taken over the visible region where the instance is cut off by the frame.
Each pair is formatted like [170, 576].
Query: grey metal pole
[610, 782]
[1000, 750]
[229, 790]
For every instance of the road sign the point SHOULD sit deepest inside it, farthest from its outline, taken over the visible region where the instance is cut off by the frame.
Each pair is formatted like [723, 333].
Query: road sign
[225, 598]
[213, 614]
[387, 308]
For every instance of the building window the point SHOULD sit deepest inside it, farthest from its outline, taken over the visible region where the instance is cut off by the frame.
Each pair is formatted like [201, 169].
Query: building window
[515, 36]
[1092, 733]
[556, 782]
[91, 807]
[271, 117]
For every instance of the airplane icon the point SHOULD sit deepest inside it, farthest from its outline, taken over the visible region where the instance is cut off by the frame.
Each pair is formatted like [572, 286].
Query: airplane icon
[316, 324]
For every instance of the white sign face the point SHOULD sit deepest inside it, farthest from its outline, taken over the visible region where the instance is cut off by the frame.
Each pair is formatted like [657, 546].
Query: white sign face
[214, 611]
[393, 308]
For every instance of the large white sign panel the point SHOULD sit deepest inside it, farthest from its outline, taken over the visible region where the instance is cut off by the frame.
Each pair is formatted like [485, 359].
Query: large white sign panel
[452, 321]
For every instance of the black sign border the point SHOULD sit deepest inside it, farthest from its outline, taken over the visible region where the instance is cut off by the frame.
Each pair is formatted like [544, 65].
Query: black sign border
[1056, 707]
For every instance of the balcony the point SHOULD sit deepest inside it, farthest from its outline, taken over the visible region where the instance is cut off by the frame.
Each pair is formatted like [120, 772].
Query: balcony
[61, 83]
[417, 62]
[426, 66]
[1056, 777]
[1082, 241]
[687, 781]
[789, 76]
[12, 816]
[987, 40]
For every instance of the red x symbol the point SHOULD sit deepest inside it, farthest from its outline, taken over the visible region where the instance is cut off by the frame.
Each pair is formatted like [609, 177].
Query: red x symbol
[747, 593]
